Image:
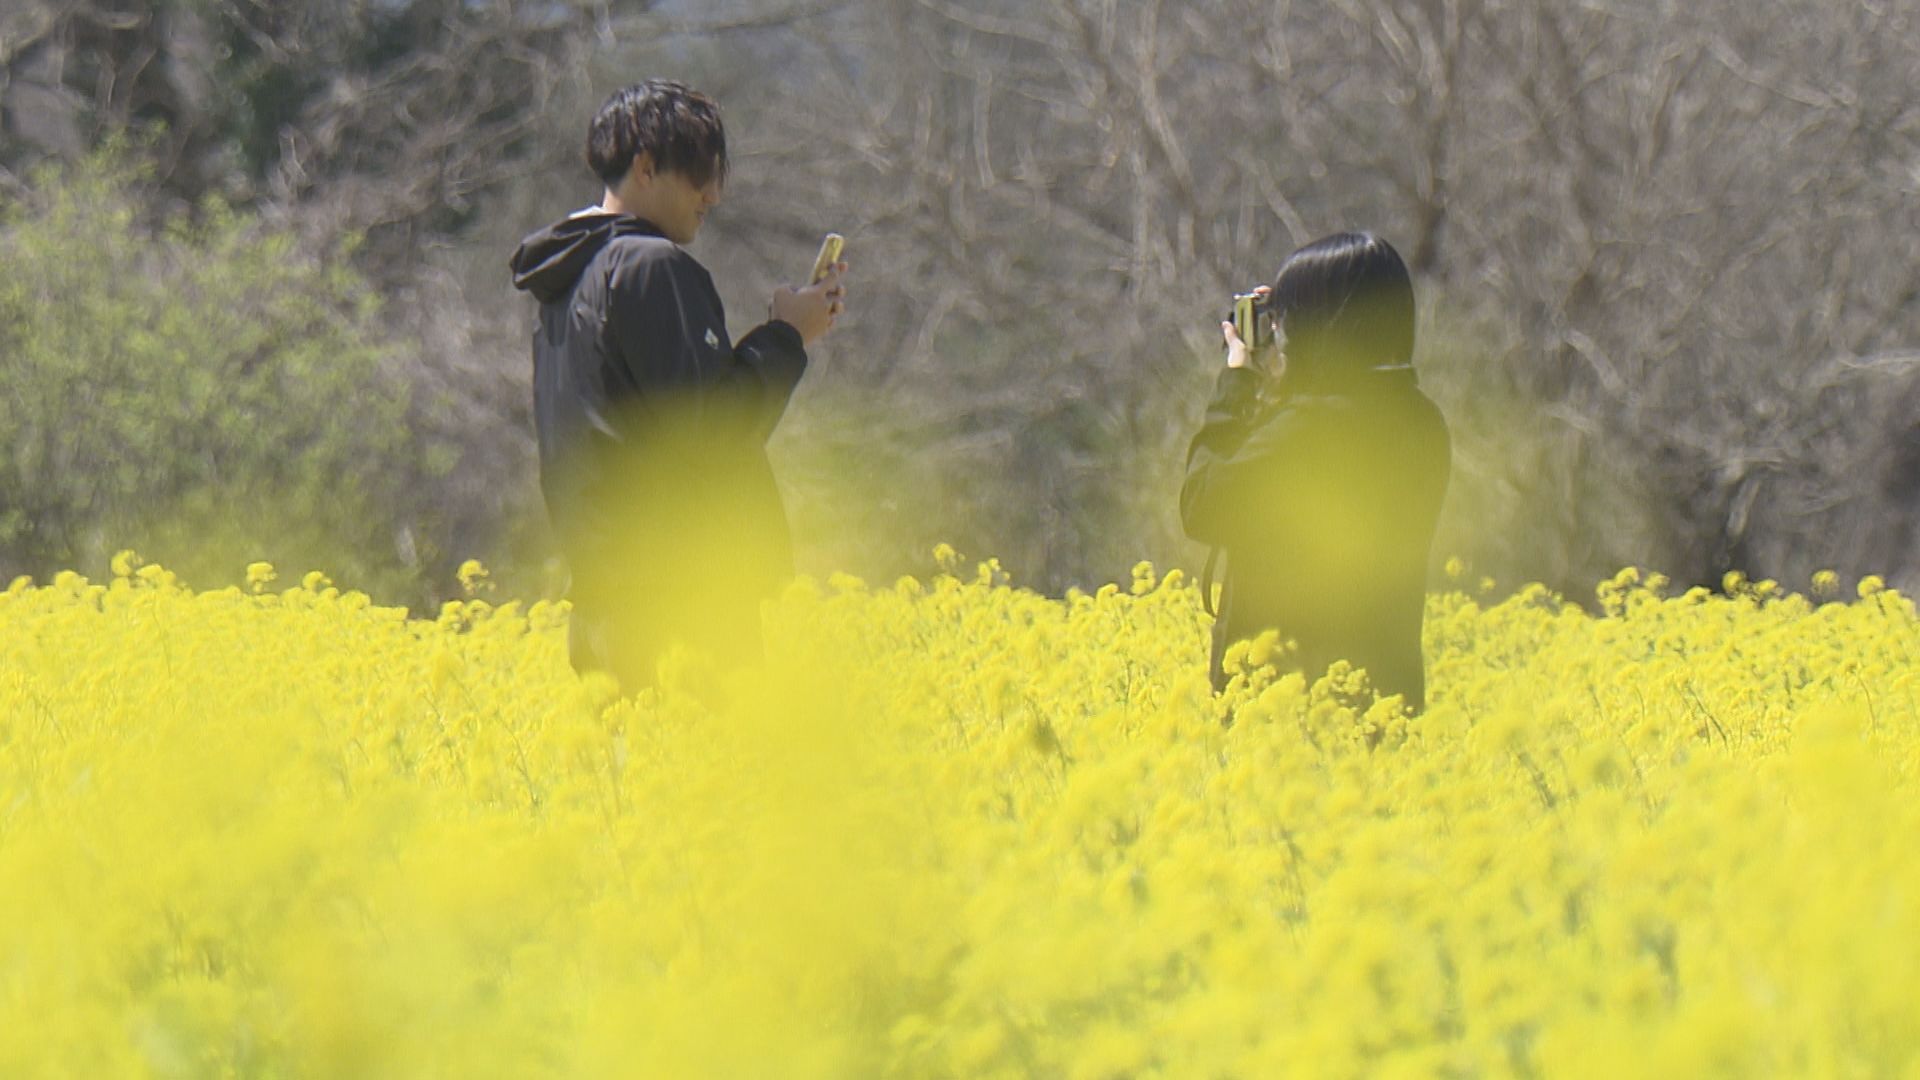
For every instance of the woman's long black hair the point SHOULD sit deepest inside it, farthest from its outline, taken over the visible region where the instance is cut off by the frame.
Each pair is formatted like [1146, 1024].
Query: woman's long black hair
[1345, 303]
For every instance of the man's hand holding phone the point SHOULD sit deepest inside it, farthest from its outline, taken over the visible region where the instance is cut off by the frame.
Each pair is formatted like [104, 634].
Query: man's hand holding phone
[812, 309]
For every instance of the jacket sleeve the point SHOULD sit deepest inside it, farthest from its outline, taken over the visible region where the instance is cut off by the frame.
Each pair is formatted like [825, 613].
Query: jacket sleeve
[669, 332]
[765, 367]
[1229, 458]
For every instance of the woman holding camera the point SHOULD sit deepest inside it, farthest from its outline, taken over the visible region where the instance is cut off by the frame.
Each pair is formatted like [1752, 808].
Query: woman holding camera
[1320, 470]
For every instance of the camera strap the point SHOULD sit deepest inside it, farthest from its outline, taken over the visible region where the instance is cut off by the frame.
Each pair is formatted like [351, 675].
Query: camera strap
[1206, 581]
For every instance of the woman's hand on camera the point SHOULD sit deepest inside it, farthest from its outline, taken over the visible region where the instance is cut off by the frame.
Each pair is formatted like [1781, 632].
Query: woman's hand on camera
[1269, 361]
[1237, 353]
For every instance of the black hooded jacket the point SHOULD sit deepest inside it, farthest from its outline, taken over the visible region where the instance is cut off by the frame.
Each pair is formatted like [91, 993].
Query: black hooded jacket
[1324, 500]
[652, 422]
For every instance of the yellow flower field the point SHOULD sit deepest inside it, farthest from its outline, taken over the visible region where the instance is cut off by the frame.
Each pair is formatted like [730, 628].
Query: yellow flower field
[955, 829]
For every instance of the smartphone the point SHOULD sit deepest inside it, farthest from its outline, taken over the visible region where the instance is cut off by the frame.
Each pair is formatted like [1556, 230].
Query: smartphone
[829, 254]
[1250, 322]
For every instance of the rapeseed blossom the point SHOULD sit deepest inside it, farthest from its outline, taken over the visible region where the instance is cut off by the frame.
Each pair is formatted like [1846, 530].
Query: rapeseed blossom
[954, 828]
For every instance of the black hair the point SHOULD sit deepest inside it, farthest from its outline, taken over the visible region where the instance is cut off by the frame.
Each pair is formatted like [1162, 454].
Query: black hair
[679, 127]
[1345, 301]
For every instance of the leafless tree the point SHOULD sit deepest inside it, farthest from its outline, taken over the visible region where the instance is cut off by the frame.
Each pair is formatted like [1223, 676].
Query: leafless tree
[1661, 247]
[1662, 256]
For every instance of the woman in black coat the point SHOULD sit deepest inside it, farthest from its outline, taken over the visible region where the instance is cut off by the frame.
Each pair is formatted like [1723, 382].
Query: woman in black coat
[1320, 471]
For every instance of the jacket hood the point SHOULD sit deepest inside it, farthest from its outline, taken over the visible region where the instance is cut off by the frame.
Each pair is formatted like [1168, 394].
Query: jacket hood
[550, 260]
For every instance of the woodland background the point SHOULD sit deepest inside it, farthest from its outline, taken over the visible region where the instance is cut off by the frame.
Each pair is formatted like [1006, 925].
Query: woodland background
[254, 299]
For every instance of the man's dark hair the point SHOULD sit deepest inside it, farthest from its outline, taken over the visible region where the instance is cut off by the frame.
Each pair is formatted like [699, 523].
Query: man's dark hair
[680, 127]
[1344, 301]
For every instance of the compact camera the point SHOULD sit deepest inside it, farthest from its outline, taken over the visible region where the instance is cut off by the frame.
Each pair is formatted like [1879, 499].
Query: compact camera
[1250, 321]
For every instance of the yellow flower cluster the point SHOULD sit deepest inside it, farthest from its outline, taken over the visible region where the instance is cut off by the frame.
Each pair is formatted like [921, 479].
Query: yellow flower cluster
[953, 829]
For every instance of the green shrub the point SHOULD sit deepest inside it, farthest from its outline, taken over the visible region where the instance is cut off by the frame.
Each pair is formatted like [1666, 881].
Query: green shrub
[194, 387]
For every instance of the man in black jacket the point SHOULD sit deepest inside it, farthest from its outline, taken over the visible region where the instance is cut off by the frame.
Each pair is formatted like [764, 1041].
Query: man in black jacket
[1320, 471]
[652, 421]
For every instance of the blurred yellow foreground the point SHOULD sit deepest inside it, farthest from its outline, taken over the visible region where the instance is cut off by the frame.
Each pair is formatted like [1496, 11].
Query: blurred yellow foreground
[952, 829]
